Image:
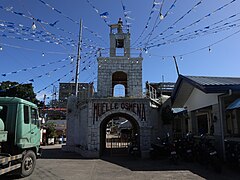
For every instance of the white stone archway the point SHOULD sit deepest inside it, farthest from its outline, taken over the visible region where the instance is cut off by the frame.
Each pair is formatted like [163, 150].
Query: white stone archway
[133, 119]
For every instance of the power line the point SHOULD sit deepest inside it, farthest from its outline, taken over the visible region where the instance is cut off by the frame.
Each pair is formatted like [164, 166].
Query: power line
[31, 49]
[195, 22]
[157, 18]
[182, 17]
[199, 32]
[103, 15]
[69, 18]
[200, 49]
[34, 67]
[147, 23]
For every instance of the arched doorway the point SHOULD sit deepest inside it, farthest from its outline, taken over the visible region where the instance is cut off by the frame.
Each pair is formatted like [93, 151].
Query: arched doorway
[117, 131]
[119, 78]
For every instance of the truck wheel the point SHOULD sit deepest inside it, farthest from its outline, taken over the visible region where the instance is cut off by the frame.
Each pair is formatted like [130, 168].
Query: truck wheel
[28, 163]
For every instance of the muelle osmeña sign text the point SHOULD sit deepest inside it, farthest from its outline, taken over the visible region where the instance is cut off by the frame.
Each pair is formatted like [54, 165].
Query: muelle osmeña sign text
[101, 108]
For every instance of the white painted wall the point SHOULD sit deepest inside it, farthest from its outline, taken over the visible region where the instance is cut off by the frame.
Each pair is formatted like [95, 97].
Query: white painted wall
[199, 99]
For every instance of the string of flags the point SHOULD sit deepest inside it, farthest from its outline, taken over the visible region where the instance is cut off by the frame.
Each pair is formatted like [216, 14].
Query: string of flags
[208, 47]
[155, 26]
[19, 29]
[71, 19]
[37, 36]
[44, 22]
[10, 9]
[74, 21]
[195, 22]
[33, 79]
[202, 31]
[161, 17]
[94, 34]
[48, 73]
[157, 21]
[35, 39]
[58, 80]
[206, 28]
[45, 41]
[58, 11]
[34, 67]
[147, 23]
[193, 36]
[93, 74]
[126, 15]
[29, 49]
[103, 15]
[178, 20]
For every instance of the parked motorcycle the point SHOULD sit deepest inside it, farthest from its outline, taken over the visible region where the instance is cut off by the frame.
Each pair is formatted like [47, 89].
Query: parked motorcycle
[160, 148]
[185, 148]
[173, 152]
[207, 155]
[133, 148]
[164, 148]
[232, 153]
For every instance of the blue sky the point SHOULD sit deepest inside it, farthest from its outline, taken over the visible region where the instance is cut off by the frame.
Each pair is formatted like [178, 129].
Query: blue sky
[45, 56]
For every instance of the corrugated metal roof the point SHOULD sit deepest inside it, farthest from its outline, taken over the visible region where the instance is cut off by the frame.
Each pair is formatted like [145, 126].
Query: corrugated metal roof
[205, 81]
[234, 105]
[178, 110]
[206, 84]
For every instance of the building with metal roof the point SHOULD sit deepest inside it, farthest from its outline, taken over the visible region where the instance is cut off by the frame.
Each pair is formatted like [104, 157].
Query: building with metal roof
[209, 102]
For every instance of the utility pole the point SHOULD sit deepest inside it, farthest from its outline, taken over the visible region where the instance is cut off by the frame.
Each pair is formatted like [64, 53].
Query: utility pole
[78, 58]
[175, 61]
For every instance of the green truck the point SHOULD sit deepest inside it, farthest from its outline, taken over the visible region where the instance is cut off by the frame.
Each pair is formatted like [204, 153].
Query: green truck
[19, 136]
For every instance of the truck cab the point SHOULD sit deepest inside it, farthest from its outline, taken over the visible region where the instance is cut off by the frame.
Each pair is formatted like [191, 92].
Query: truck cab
[21, 122]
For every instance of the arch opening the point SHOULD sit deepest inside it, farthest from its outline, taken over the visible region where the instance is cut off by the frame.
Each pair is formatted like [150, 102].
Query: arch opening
[117, 132]
[119, 80]
[119, 90]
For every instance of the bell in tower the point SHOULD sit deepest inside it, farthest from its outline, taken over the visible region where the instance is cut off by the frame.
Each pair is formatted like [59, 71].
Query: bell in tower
[119, 41]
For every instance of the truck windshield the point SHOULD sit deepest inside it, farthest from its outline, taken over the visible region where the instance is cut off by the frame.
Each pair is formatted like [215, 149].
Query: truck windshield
[34, 117]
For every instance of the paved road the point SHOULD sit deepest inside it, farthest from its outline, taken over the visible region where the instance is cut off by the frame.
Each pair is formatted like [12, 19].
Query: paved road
[58, 165]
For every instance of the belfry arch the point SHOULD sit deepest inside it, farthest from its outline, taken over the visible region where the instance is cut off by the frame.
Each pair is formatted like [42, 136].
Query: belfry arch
[120, 77]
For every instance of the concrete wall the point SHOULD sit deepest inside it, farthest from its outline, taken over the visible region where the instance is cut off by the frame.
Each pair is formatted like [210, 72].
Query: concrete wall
[109, 65]
[199, 99]
[83, 128]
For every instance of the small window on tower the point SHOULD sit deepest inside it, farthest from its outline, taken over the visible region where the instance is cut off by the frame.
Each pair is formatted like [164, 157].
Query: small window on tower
[119, 43]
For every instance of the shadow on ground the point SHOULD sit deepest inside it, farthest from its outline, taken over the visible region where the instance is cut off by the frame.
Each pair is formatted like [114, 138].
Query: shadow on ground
[55, 152]
[148, 164]
[166, 165]
[52, 152]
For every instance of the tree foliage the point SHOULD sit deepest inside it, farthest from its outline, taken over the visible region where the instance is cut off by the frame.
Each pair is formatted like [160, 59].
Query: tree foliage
[51, 129]
[14, 89]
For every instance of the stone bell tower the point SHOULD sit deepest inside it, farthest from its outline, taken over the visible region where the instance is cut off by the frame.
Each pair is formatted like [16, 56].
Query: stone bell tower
[119, 68]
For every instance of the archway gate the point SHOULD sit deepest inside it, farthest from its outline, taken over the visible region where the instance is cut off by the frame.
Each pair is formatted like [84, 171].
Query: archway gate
[87, 122]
